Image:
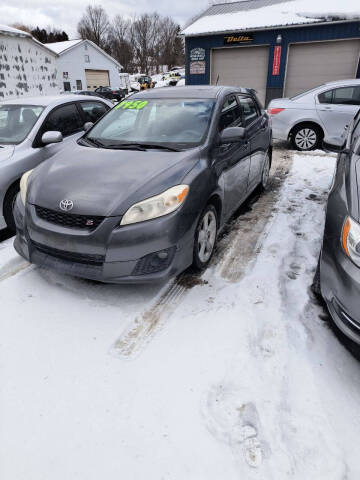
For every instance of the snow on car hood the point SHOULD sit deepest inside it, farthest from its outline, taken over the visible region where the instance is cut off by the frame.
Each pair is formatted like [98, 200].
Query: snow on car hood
[6, 152]
[106, 182]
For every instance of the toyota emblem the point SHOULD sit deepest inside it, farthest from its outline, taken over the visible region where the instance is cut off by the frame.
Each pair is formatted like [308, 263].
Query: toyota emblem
[66, 205]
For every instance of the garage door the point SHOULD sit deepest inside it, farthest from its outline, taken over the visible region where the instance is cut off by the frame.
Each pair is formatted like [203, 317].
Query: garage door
[243, 67]
[97, 78]
[313, 64]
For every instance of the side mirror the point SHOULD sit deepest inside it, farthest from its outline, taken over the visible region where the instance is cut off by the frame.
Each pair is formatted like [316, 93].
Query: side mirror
[87, 126]
[232, 135]
[335, 144]
[51, 137]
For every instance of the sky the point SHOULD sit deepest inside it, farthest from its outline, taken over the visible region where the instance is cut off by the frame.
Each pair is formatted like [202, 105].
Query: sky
[64, 14]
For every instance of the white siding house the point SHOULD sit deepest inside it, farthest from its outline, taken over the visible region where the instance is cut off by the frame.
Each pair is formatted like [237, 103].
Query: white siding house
[82, 65]
[27, 67]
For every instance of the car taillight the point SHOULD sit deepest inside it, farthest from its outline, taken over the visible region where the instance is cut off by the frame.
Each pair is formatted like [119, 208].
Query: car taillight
[275, 111]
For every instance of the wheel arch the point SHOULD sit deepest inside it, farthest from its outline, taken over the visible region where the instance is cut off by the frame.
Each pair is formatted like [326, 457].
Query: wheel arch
[304, 123]
[216, 201]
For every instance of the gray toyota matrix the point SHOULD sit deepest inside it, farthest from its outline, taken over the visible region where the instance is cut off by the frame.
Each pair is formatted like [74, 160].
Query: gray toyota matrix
[144, 193]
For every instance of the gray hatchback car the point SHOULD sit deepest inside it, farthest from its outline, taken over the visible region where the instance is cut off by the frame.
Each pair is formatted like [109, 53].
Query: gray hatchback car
[23, 145]
[143, 194]
[338, 275]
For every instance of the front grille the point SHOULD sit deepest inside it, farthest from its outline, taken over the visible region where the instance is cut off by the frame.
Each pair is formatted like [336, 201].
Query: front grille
[70, 256]
[69, 220]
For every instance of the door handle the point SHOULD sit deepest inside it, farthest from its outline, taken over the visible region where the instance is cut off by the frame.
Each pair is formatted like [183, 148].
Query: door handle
[327, 109]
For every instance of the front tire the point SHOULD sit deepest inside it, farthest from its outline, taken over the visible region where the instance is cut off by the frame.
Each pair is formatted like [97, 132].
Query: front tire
[8, 207]
[205, 238]
[306, 137]
[265, 173]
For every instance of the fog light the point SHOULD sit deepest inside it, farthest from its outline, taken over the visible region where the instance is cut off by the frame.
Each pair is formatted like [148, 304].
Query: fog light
[154, 262]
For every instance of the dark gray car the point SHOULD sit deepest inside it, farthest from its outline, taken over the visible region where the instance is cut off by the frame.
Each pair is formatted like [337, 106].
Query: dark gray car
[144, 193]
[338, 274]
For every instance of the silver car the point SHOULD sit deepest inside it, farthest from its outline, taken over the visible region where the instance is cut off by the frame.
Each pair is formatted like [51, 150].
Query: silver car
[32, 130]
[306, 119]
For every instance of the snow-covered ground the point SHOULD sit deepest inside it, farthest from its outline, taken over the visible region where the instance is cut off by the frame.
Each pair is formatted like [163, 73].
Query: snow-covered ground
[220, 377]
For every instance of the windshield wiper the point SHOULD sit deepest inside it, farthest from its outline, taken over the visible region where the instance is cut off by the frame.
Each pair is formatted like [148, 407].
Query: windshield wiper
[93, 141]
[141, 146]
[125, 146]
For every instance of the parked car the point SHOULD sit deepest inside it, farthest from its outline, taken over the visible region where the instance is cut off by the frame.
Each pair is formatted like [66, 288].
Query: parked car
[306, 119]
[145, 192]
[88, 93]
[338, 275]
[25, 126]
[110, 93]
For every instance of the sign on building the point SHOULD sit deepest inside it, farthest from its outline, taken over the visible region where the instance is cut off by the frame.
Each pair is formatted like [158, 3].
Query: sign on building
[197, 54]
[237, 38]
[197, 68]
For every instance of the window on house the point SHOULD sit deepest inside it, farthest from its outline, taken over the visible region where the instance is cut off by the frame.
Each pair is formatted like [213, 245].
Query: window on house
[78, 85]
[87, 59]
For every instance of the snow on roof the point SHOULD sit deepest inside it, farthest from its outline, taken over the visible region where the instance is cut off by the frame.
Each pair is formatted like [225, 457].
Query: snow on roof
[62, 47]
[59, 47]
[256, 14]
[13, 31]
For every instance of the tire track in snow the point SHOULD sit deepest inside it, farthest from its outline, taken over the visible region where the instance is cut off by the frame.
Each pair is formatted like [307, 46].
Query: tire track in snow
[141, 330]
[250, 229]
[13, 267]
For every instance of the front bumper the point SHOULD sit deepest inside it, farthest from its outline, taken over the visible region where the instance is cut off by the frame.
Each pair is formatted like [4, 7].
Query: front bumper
[340, 288]
[151, 251]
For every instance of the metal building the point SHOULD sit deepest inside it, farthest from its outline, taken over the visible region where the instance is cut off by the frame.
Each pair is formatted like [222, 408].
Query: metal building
[27, 67]
[273, 46]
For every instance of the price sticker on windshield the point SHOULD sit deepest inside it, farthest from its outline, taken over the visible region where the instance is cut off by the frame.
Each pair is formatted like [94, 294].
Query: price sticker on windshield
[132, 105]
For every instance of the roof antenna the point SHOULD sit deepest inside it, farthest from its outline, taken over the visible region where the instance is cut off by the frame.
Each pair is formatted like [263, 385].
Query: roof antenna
[217, 80]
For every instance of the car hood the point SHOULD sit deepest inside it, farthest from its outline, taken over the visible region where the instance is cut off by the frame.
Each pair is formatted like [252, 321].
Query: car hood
[106, 182]
[6, 152]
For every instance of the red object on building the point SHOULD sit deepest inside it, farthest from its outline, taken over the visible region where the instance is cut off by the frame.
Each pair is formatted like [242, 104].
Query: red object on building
[277, 60]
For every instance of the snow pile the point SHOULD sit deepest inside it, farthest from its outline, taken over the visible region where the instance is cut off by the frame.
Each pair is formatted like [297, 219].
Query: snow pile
[288, 13]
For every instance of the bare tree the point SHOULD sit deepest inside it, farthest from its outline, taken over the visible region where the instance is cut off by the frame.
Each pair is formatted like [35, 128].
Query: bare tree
[171, 44]
[94, 25]
[120, 43]
[145, 40]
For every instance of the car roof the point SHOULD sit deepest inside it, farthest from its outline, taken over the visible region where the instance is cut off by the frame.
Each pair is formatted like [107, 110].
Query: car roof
[45, 100]
[190, 91]
[351, 81]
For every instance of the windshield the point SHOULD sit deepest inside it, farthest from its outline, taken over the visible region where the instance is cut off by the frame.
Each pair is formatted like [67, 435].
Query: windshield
[16, 122]
[177, 123]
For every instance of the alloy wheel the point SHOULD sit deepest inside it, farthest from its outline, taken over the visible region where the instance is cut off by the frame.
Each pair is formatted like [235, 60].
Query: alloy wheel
[207, 236]
[306, 139]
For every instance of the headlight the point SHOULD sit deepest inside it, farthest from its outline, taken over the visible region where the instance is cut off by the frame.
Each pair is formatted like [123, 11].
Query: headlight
[23, 185]
[351, 240]
[158, 206]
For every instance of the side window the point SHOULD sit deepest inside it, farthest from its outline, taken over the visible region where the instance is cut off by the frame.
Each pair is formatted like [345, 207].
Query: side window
[230, 115]
[249, 110]
[347, 96]
[326, 97]
[65, 119]
[93, 110]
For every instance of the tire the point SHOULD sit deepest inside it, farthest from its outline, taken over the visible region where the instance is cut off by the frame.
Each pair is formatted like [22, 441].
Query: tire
[265, 173]
[205, 238]
[306, 137]
[8, 207]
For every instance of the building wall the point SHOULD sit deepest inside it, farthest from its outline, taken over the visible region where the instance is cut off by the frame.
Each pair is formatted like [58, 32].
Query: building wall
[26, 68]
[275, 83]
[74, 63]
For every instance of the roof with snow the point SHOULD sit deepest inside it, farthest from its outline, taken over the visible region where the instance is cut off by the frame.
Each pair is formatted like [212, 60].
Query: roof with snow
[63, 47]
[5, 30]
[259, 14]
[60, 47]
